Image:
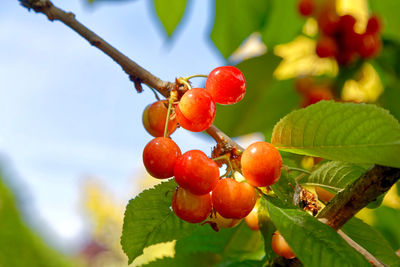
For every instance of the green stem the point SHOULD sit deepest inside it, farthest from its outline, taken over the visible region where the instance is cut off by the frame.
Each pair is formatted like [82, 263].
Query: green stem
[171, 99]
[185, 82]
[194, 76]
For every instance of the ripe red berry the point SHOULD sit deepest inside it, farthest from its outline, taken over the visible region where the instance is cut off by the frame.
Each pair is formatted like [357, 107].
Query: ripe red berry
[347, 23]
[252, 220]
[370, 45]
[196, 110]
[232, 199]
[374, 25]
[281, 247]
[195, 172]
[326, 47]
[316, 95]
[226, 85]
[261, 164]
[345, 57]
[154, 117]
[160, 156]
[189, 207]
[328, 22]
[306, 7]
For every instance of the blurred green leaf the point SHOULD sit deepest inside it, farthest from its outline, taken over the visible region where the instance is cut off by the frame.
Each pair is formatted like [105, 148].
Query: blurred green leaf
[313, 242]
[170, 13]
[245, 263]
[283, 22]
[371, 240]
[335, 175]
[266, 100]
[387, 223]
[388, 11]
[234, 21]
[239, 243]
[149, 220]
[19, 245]
[356, 133]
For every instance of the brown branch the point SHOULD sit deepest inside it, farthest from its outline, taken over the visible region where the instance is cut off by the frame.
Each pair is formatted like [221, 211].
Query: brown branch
[358, 195]
[136, 73]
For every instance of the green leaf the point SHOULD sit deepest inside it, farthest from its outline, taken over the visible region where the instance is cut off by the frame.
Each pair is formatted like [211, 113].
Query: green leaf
[237, 243]
[313, 242]
[184, 260]
[234, 21]
[388, 11]
[283, 22]
[356, 133]
[335, 175]
[266, 100]
[149, 220]
[284, 187]
[245, 263]
[170, 13]
[371, 240]
[387, 222]
[267, 228]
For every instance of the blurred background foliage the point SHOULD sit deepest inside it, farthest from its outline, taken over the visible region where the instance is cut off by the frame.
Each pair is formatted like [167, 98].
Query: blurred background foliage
[273, 46]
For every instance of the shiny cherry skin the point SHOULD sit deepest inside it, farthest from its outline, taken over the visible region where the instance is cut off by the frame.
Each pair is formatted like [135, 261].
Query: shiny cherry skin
[306, 7]
[196, 110]
[232, 199]
[261, 164]
[281, 247]
[195, 172]
[154, 117]
[160, 156]
[252, 220]
[189, 207]
[326, 47]
[226, 85]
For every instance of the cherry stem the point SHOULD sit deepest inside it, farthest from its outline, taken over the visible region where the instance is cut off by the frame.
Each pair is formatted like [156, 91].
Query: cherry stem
[155, 93]
[185, 82]
[171, 99]
[227, 160]
[195, 76]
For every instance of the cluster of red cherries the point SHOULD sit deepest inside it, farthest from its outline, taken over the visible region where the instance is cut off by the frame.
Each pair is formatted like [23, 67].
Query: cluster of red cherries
[338, 38]
[202, 194]
[312, 92]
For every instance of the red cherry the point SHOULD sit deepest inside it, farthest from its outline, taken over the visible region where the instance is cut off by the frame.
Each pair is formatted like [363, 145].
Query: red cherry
[316, 95]
[261, 164]
[326, 47]
[160, 156]
[370, 45]
[189, 207]
[374, 25]
[328, 21]
[154, 117]
[226, 85]
[232, 199]
[347, 23]
[195, 172]
[196, 110]
[281, 247]
[345, 57]
[252, 220]
[306, 7]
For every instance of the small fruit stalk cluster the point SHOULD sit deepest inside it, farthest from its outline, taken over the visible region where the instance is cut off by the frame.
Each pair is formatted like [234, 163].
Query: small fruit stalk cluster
[203, 195]
[338, 38]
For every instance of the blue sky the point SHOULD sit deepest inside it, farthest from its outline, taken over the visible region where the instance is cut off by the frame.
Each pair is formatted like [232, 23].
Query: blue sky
[68, 111]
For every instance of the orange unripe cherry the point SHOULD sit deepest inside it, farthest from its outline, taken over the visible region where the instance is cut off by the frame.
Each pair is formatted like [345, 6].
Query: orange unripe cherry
[154, 118]
[189, 207]
[281, 247]
[261, 164]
